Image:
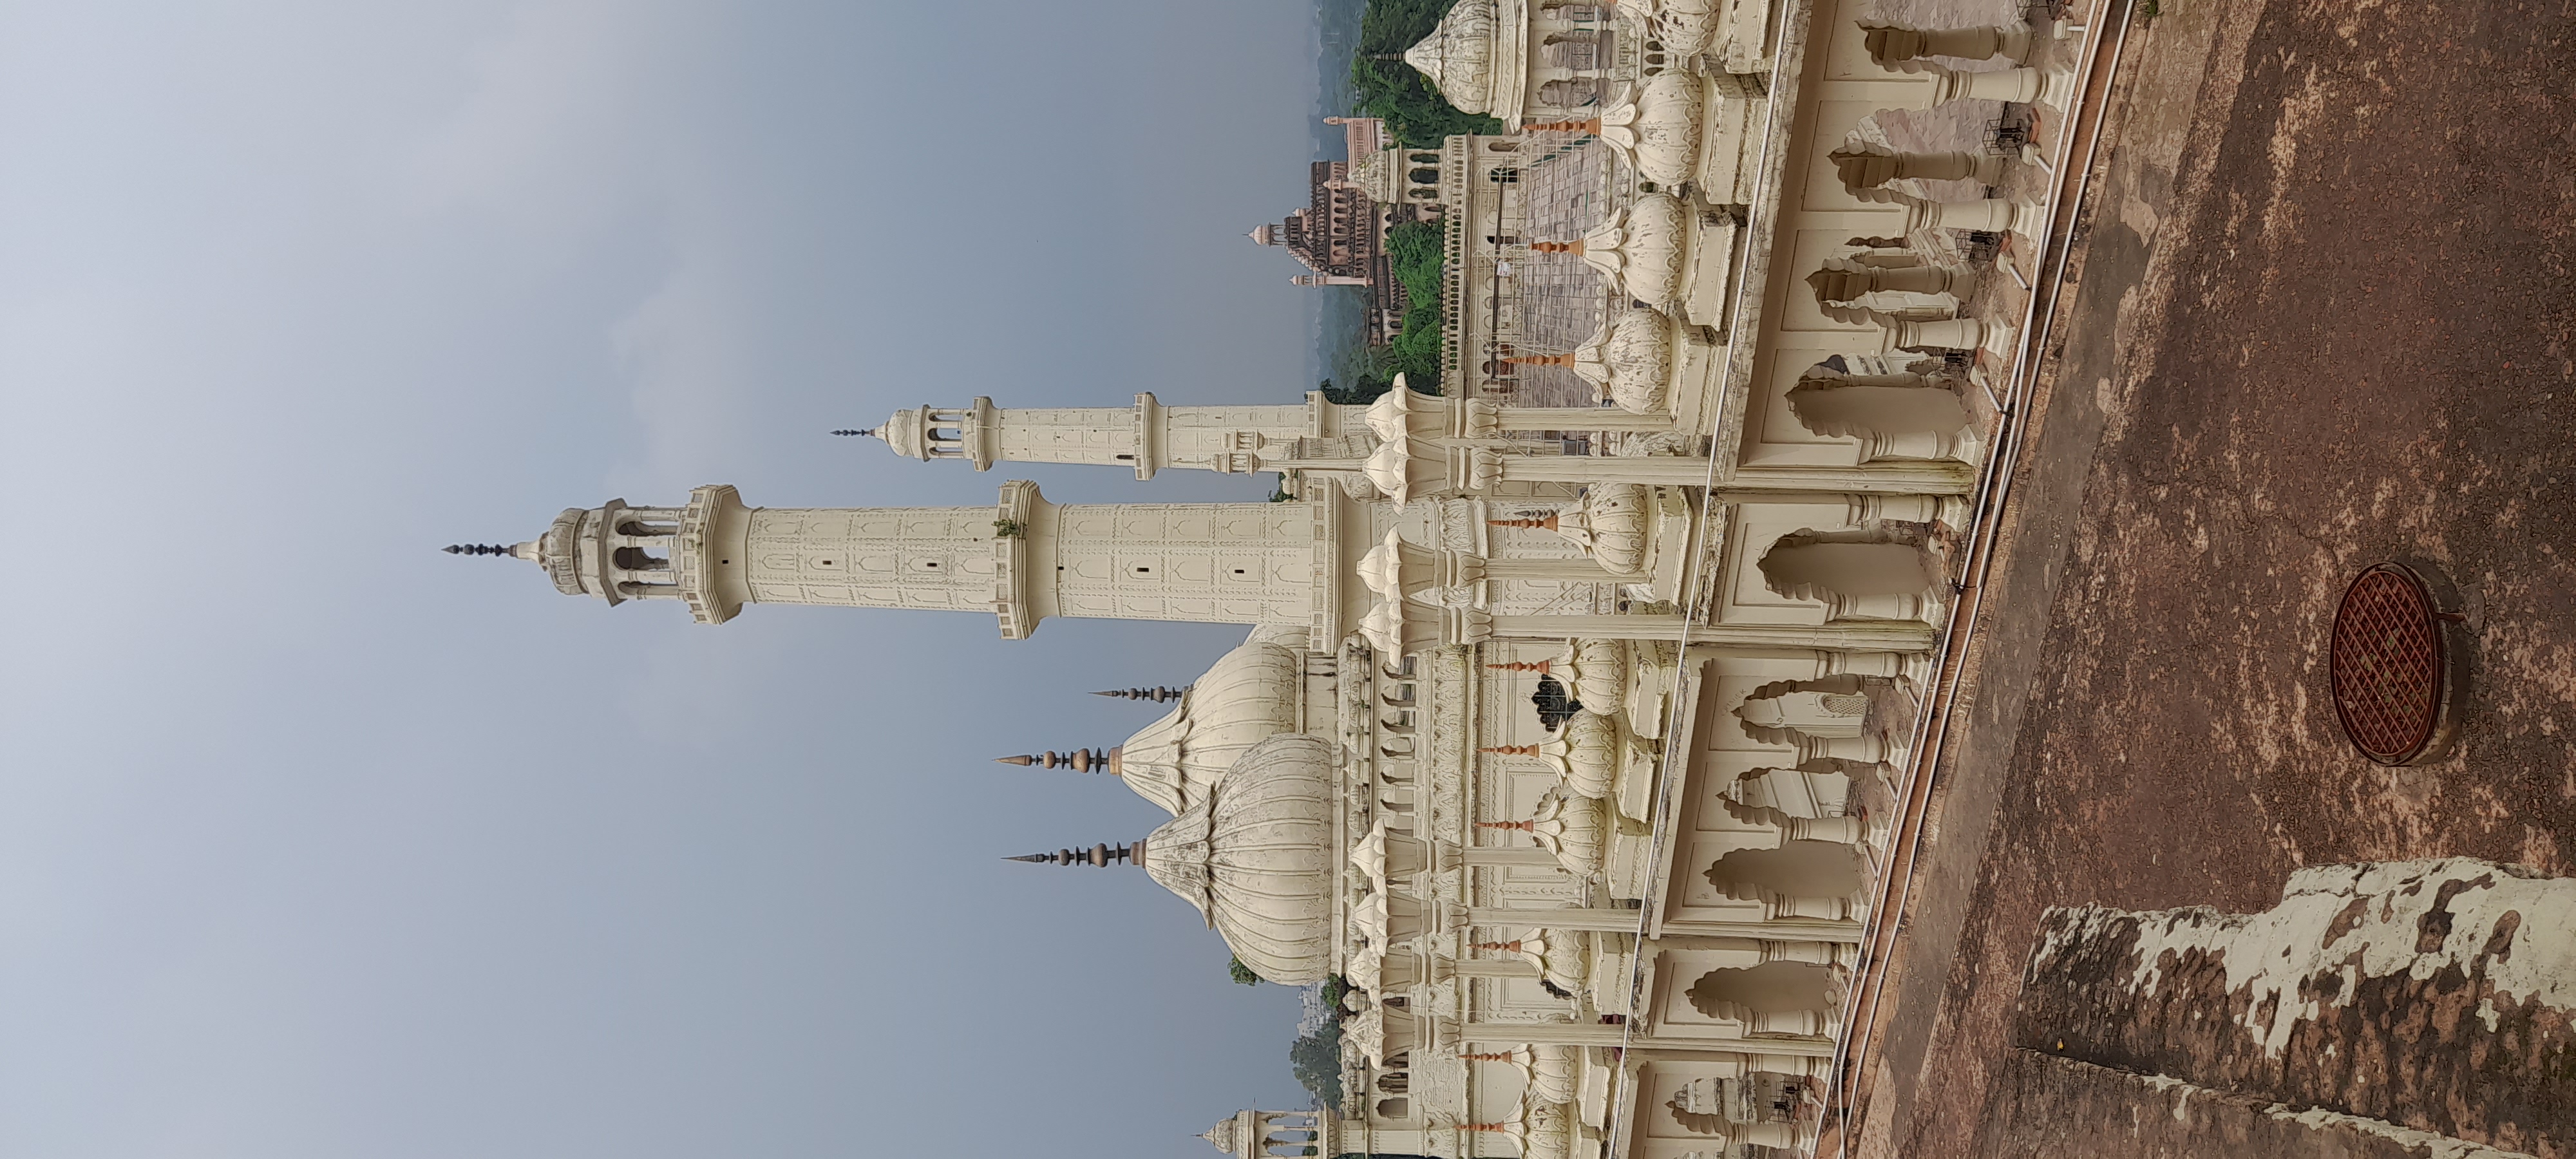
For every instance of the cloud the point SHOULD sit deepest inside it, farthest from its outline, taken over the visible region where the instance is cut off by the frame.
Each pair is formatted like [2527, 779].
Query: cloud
[681, 352]
[559, 121]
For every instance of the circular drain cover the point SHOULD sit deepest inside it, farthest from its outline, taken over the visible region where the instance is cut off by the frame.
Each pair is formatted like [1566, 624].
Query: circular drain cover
[2387, 664]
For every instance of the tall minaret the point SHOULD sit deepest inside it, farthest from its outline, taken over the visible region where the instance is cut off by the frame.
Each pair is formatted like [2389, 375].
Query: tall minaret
[1024, 559]
[1147, 436]
[1318, 436]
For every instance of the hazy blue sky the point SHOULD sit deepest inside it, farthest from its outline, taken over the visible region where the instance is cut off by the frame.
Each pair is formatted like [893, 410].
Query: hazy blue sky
[317, 843]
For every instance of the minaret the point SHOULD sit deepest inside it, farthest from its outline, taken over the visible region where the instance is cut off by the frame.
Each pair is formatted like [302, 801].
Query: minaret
[1316, 436]
[1023, 559]
[1147, 436]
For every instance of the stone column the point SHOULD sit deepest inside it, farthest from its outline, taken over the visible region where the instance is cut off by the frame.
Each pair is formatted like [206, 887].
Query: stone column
[1891, 45]
[1884, 636]
[1607, 921]
[1577, 418]
[2016, 85]
[1578, 570]
[1868, 169]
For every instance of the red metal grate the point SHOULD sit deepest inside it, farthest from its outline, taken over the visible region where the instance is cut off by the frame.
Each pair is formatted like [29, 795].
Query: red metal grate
[2386, 664]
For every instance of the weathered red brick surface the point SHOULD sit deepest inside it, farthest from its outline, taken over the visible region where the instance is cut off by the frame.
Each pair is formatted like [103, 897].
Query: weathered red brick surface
[2052, 1108]
[2334, 325]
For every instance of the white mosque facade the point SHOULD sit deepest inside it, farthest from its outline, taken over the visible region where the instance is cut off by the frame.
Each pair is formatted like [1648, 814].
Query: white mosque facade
[1575, 767]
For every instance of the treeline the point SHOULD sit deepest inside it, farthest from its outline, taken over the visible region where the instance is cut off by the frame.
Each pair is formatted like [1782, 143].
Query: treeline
[1391, 90]
[1414, 249]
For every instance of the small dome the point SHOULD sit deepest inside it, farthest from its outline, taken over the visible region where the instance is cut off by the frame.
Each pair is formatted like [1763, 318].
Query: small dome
[1248, 696]
[1394, 566]
[1459, 56]
[1658, 127]
[1588, 752]
[1554, 1070]
[908, 433]
[1403, 470]
[1615, 522]
[1630, 359]
[1686, 27]
[1551, 1131]
[1264, 234]
[1600, 669]
[1644, 251]
[1256, 859]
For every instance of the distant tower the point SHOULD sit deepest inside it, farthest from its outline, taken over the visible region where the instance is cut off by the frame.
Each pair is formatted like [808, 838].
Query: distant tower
[1024, 559]
[1147, 436]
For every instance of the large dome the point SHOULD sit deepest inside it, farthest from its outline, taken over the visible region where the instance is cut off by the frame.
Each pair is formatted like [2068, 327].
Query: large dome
[1474, 57]
[1256, 859]
[1247, 697]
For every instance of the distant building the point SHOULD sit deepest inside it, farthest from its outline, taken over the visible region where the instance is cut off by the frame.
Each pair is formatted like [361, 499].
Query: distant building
[1340, 236]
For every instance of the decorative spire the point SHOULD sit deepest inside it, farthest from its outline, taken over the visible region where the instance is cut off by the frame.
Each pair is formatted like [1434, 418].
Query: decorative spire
[868, 431]
[1079, 760]
[1157, 694]
[475, 549]
[1098, 855]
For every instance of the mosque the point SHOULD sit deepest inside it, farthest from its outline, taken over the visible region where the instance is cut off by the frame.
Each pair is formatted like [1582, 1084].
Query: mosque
[1574, 764]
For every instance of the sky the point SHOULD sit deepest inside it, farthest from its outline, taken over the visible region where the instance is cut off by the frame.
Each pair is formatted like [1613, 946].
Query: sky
[315, 842]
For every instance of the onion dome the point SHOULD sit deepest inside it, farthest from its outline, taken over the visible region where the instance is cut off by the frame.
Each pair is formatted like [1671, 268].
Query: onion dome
[1586, 753]
[1543, 1130]
[1559, 956]
[1255, 858]
[1629, 360]
[1549, 1070]
[1686, 27]
[1658, 127]
[1474, 56]
[1600, 671]
[1644, 251]
[1383, 570]
[1248, 696]
[1554, 1071]
[1613, 524]
[1575, 829]
[1549, 1132]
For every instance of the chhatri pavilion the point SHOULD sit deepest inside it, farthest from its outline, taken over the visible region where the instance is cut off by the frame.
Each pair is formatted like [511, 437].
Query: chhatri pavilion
[1575, 766]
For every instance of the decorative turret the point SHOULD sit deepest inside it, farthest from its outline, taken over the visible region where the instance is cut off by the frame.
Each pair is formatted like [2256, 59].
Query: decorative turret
[1158, 694]
[1100, 855]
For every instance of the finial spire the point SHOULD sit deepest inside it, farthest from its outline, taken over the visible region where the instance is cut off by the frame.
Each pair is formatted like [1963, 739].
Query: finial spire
[868, 431]
[1158, 694]
[1079, 760]
[1098, 855]
[475, 549]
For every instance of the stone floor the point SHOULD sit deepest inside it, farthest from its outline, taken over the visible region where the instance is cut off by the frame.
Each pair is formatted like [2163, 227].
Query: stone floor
[2322, 321]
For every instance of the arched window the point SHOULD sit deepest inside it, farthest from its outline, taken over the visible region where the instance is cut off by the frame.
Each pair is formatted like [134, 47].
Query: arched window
[639, 559]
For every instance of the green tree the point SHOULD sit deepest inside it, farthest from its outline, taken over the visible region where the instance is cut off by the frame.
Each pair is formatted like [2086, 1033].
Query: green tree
[1316, 1060]
[1242, 974]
